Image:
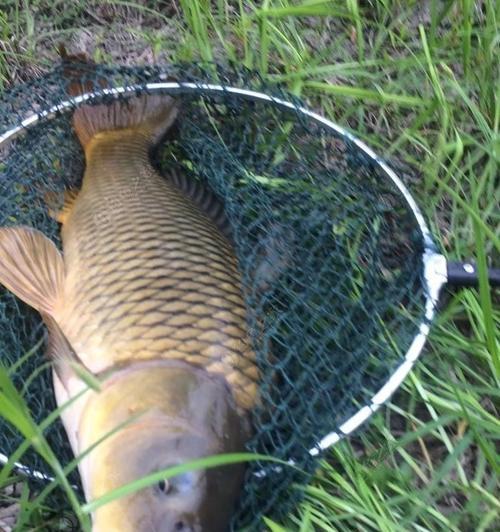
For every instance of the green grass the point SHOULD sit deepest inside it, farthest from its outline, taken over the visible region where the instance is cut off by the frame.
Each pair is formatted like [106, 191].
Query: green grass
[418, 81]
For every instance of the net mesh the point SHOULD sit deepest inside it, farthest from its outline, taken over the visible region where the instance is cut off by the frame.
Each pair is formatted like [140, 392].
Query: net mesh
[328, 249]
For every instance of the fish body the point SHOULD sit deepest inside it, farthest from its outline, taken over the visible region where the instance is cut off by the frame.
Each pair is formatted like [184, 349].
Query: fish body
[146, 294]
[148, 273]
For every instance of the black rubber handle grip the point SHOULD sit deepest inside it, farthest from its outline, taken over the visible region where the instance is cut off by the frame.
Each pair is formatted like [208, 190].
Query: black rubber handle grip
[465, 274]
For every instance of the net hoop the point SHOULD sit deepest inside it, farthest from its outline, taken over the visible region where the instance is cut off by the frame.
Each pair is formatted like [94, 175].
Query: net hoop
[434, 264]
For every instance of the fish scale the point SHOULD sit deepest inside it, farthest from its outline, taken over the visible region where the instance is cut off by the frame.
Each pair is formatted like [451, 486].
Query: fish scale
[148, 273]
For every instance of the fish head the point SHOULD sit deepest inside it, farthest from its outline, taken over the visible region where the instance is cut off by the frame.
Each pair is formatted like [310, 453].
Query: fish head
[175, 415]
[197, 500]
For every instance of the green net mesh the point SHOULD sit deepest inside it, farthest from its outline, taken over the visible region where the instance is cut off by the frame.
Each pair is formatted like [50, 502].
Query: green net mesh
[329, 251]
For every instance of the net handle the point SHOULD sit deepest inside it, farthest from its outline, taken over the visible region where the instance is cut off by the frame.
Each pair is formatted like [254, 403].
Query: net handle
[465, 274]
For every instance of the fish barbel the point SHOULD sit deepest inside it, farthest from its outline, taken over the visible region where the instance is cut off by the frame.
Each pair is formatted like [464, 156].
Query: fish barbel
[146, 295]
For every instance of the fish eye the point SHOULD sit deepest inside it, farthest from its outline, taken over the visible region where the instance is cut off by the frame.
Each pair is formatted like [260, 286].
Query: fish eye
[164, 486]
[178, 484]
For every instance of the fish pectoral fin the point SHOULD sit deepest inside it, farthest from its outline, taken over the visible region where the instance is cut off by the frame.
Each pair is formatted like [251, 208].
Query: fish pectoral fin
[58, 213]
[67, 364]
[31, 267]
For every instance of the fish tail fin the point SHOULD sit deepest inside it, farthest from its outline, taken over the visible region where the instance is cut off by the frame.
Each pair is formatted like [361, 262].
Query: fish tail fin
[31, 267]
[150, 115]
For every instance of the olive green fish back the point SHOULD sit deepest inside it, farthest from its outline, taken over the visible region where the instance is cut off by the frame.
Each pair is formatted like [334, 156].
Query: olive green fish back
[328, 250]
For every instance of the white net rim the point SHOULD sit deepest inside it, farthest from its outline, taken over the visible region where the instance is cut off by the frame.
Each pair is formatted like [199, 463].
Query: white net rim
[434, 264]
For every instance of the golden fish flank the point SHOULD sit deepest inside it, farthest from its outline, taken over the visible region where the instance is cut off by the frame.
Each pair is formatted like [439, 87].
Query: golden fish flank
[147, 289]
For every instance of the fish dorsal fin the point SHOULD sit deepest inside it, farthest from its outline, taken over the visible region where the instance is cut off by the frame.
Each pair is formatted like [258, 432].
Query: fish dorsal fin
[204, 199]
[31, 267]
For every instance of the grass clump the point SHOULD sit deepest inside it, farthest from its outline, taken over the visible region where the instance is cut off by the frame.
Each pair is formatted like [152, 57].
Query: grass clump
[418, 81]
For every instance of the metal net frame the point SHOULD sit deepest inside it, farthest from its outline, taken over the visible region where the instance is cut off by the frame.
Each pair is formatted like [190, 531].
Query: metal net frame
[340, 273]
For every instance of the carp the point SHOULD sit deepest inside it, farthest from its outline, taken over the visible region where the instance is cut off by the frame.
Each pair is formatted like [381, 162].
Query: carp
[146, 295]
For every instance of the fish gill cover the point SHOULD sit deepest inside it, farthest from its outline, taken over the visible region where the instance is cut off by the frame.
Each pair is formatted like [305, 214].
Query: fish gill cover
[328, 249]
